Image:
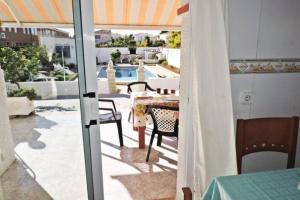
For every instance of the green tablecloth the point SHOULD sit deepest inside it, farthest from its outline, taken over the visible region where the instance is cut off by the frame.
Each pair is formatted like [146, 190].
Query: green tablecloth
[271, 185]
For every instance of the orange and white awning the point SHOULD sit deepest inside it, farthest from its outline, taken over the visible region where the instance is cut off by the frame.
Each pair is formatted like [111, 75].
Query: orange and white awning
[142, 14]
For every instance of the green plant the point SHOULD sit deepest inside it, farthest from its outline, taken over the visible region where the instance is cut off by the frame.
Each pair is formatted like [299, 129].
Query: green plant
[132, 44]
[23, 92]
[59, 76]
[164, 63]
[19, 65]
[147, 42]
[158, 43]
[174, 39]
[57, 59]
[118, 42]
[72, 77]
[115, 56]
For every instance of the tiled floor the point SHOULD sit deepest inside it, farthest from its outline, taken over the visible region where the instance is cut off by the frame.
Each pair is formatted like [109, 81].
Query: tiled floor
[50, 161]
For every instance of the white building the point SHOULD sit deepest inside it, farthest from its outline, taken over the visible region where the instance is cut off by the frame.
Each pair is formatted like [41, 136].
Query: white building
[141, 36]
[57, 41]
[103, 36]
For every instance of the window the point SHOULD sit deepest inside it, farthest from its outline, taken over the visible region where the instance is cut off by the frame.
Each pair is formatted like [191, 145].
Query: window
[66, 49]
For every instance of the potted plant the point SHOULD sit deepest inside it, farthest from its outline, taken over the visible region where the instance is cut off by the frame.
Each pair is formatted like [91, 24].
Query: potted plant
[115, 56]
[20, 102]
[132, 47]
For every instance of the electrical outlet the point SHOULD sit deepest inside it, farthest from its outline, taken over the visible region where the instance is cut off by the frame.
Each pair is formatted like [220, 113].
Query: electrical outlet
[246, 98]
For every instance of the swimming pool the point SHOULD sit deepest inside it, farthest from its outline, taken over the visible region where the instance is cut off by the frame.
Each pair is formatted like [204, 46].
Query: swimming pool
[125, 73]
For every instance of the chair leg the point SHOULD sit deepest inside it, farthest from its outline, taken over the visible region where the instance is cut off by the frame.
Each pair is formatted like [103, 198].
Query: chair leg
[150, 145]
[159, 139]
[120, 132]
[129, 116]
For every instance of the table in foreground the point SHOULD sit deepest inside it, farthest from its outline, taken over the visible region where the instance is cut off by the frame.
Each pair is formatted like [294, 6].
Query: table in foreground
[270, 185]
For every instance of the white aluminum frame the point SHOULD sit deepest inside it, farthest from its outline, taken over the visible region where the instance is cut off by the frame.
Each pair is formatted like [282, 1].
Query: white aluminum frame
[85, 51]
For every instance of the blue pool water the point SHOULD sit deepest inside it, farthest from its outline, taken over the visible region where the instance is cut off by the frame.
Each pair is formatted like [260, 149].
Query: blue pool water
[125, 73]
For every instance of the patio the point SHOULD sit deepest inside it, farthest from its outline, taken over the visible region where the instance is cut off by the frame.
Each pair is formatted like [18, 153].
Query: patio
[52, 137]
[239, 106]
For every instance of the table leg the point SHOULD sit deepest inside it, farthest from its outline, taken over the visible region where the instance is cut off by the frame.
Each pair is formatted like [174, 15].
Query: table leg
[134, 128]
[141, 131]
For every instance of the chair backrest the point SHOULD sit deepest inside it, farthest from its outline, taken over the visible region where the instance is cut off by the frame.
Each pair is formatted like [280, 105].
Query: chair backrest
[267, 134]
[138, 86]
[165, 119]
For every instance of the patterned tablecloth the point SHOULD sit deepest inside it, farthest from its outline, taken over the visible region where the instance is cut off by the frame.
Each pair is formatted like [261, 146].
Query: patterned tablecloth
[140, 100]
[270, 185]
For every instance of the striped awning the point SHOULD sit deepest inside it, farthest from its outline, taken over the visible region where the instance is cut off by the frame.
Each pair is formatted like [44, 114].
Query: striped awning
[142, 14]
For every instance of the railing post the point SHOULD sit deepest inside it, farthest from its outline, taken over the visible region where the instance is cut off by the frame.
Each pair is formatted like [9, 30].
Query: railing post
[141, 71]
[111, 76]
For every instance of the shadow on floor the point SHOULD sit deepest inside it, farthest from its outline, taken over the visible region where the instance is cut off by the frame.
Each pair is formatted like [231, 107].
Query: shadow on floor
[18, 176]
[53, 108]
[114, 96]
[153, 185]
[132, 156]
[24, 130]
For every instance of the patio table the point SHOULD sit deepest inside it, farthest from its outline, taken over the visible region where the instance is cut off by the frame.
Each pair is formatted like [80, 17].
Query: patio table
[270, 185]
[139, 103]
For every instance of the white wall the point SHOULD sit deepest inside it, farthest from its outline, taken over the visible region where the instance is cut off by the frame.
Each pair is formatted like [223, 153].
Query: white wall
[275, 95]
[51, 42]
[172, 56]
[103, 54]
[264, 29]
[54, 89]
[164, 83]
[6, 141]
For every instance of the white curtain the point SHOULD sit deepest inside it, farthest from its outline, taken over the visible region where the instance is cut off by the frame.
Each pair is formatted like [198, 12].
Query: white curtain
[206, 138]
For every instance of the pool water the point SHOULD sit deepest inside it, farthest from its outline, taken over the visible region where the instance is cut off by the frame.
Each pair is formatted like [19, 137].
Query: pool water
[125, 74]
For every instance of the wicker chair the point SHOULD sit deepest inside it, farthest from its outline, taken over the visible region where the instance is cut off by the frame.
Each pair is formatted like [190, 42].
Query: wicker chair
[165, 123]
[137, 87]
[112, 117]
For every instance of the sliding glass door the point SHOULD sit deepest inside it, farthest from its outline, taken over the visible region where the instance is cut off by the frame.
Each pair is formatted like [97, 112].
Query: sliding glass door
[85, 50]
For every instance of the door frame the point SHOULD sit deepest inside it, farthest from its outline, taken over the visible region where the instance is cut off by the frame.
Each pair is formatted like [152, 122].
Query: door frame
[85, 52]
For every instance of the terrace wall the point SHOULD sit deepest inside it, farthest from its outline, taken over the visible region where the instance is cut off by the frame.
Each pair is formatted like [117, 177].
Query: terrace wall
[58, 89]
[172, 56]
[103, 54]
[164, 83]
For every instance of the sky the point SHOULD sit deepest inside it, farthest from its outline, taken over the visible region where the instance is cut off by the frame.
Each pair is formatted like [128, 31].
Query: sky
[120, 31]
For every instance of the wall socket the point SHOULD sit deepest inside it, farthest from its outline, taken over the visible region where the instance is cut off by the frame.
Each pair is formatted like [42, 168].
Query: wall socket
[246, 98]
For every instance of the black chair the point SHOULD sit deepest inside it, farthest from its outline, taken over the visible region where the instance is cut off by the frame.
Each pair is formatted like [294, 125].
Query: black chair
[165, 123]
[112, 117]
[137, 86]
[140, 86]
